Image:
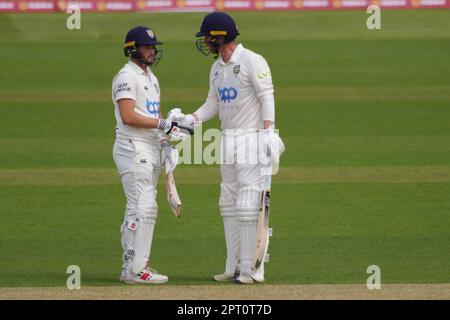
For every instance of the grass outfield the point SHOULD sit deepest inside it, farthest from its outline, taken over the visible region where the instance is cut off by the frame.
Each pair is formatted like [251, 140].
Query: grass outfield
[365, 180]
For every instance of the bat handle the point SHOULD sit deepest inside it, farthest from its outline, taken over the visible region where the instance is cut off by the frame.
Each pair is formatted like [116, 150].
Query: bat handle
[187, 128]
[268, 180]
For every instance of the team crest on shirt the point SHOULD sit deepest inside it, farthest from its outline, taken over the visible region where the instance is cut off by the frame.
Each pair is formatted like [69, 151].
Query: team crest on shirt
[237, 68]
[150, 34]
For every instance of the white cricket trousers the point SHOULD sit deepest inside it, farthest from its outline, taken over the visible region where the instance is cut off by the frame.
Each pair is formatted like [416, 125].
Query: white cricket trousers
[240, 198]
[138, 164]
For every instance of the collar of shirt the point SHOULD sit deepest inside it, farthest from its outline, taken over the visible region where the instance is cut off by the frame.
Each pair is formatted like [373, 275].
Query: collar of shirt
[138, 69]
[235, 56]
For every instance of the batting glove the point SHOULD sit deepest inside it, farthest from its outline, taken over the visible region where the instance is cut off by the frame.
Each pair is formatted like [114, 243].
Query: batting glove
[275, 145]
[171, 155]
[177, 115]
[173, 129]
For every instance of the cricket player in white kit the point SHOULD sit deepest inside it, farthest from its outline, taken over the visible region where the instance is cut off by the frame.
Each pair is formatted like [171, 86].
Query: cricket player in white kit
[140, 148]
[241, 92]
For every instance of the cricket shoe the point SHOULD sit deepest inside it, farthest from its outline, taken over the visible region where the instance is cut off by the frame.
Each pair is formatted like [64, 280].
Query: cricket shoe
[246, 279]
[225, 277]
[147, 275]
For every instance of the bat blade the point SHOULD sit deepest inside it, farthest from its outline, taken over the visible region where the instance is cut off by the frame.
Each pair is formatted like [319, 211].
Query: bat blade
[262, 231]
[172, 195]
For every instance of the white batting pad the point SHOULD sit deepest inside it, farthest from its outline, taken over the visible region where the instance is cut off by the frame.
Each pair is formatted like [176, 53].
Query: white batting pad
[247, 207]
[147, 213]
[248, 239]
[231, 227]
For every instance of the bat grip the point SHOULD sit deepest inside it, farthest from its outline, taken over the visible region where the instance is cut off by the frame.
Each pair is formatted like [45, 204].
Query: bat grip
[268, 182]
[187, 128]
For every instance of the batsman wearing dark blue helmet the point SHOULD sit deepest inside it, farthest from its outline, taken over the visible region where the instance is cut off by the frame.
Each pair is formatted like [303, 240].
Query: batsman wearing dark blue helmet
[140, 149]
[217, 29]
[241, 93]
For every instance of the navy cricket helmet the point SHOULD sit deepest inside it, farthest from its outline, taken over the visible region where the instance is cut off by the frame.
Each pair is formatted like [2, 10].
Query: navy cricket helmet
[141, 36]
[220, 27]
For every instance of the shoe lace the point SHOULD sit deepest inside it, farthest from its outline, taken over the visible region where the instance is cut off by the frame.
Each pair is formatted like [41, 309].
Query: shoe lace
[151, 270]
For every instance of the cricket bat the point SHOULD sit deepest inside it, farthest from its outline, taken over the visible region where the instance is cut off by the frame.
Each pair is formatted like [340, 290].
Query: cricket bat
[262, 231]
[172, 195]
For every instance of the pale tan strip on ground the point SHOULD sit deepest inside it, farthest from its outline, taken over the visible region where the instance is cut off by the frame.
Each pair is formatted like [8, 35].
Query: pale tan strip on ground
[235, 292]
[208, 175]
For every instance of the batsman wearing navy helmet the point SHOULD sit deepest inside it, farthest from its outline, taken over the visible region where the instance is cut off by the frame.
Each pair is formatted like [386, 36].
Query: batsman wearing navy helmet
[140, 149]
[241, 92]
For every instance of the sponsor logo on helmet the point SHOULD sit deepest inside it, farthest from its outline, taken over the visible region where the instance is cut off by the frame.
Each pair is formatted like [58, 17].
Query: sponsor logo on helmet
[227, 94]
[151, 34]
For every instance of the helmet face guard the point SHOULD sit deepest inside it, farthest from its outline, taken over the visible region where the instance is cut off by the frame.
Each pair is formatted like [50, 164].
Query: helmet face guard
[158, 56]
[131, 50]
[202, 47]
[209, 44]
[217, 28]
[141, 36]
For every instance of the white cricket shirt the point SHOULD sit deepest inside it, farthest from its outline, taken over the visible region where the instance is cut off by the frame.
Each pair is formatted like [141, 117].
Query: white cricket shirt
[131, 82]
[236, 89]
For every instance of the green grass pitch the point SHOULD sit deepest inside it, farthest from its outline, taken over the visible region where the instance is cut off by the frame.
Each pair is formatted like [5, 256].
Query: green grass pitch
[365, 179]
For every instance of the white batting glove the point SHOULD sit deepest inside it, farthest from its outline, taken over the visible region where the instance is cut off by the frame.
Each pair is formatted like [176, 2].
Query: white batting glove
[275, 145]
[177, 115]
[171, 156]
[172, 129]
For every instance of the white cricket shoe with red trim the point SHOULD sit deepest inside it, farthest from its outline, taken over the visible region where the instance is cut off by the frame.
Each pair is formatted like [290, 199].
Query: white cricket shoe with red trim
[147, 275]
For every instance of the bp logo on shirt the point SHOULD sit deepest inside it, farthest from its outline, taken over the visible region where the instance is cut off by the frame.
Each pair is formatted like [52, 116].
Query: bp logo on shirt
[227, 94]
[153, 108]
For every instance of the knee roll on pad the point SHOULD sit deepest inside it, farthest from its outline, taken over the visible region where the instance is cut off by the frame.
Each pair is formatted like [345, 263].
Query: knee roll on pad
[148, 216]
[130, 209]
[227, 209]
[248, 201]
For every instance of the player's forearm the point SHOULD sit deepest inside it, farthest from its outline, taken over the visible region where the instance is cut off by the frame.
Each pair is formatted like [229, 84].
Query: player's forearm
[136, 120]
[132, 118]
[206, 112]
[267, 110]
